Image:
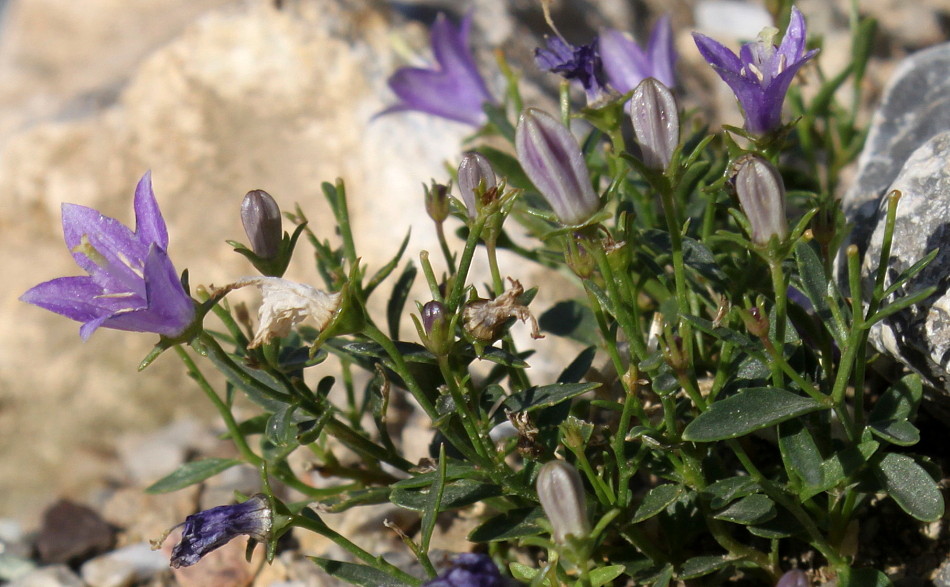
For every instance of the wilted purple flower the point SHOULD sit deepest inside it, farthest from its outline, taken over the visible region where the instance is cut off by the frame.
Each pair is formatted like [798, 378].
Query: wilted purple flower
[552, 159]
[453, 89]
[561, 493]
[581, 64]
[469, 570]
[793, 578]
[132, 284]
[761, 74]
[627, 64]
[761, 194]
[211, 529]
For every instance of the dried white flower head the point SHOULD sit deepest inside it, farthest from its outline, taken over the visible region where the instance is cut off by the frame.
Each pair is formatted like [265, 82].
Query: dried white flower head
[484, 319]
[285, 304]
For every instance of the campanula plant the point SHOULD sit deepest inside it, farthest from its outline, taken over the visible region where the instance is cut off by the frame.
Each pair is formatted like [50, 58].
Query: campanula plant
[702, 430]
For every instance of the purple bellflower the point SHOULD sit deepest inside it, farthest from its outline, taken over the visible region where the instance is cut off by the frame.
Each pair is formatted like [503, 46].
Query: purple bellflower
[469, 570]
[580, 64]
[627, 64]
[761, 74]
[211, 529]
[132, 284]
[453, 89]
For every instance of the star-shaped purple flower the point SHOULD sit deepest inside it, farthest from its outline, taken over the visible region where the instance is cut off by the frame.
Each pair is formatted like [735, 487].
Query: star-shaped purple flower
[761, 74]
[627, 64]
[581, 64]
[453, 89]
[132, 284]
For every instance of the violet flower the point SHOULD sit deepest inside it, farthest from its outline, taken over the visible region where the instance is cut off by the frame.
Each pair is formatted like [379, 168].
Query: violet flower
[580, 64]
[627, 64]
[211, 529]
[761, 74]
[132, 284]
[469, 570]
[453, 89]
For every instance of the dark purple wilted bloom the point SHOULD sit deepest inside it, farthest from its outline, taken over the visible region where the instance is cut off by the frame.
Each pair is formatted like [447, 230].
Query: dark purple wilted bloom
[552, 159]
[453, 89]
[761, 74]
[132, 284]
[211, 529]
[469, 570]
[627, 64]
[581, 64]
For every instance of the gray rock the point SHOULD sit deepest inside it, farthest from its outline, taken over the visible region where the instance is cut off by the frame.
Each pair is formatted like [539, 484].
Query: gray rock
[72, 533]
[52, 576]
[918, 337]
[123, 567]
[13, 567]
[915, 107]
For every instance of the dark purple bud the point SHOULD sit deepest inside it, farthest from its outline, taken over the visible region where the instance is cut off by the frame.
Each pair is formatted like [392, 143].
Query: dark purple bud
[761, 194]
[756, 322]
[212, 529]
[476, 181]
[656, 122]
[432, 312]
[437, 202]
[552, 159]
[561, 493]
[260, 215]
[794, 578]
[469, 570]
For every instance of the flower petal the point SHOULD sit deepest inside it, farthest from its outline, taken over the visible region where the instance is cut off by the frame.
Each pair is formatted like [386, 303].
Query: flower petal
[716, 54]
[72, 297]
[149, 224]
[436, 93]
[793, 44]
[624, 61]
[106, 236]
[661, 51]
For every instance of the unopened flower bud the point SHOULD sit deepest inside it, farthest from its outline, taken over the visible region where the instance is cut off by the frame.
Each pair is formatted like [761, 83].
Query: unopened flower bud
[552, 159]
[476, 181]
[437, 202]
[755, 322]
[261, 218]
[561, 493]
[761, 194]
[432, 313]
[793, 578]
[656, 122]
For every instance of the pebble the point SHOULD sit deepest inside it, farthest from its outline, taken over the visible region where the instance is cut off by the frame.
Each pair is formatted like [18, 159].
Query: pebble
[13, 566]
[123, 567]
[72, 533]
[51, 576]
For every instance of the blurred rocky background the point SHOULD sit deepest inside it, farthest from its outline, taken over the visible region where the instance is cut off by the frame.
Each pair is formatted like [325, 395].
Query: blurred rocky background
[218, 97]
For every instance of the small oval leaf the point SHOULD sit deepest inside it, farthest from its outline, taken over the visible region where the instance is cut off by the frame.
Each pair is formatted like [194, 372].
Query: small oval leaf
[747, 411]
[656, 500]
[910, 486]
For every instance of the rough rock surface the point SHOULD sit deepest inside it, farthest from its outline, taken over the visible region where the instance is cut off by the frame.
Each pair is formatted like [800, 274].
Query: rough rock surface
[919, 337]
[915, 107]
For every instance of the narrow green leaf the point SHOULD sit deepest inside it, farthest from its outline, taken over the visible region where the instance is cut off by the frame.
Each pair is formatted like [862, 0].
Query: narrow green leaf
[358, 574]
[535, 398]
[699, 566]
[579, 367]
[388, 268]
[725, 491]
[656, 500]
[899, 432]
[603, 575]
[725, 334]
[909, 273]
[747, 411]
[509, 525]
[899, 402]
[455, 495]
[865, 578]
[359, 497]
[397, 300]
[571, 319]
[522, 572]
[191, 473]
[752, 509]
[910, 486]
[900, 304]
[800, 452]
[431, 512]
[818, 288]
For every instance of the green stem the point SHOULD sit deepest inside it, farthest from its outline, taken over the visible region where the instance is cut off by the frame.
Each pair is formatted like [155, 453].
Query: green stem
[621, 311]
[377, 562]
[239, 441]
[781, 299]
[469, 421]
[449, 258]
[465, 262]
